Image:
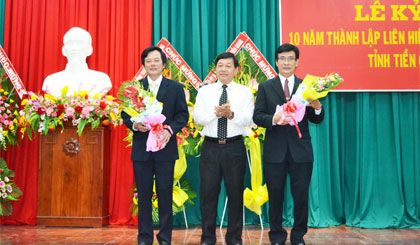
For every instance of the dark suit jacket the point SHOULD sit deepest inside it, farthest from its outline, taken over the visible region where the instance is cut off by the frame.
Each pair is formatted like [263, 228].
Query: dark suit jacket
[175, 109]
[280, 138]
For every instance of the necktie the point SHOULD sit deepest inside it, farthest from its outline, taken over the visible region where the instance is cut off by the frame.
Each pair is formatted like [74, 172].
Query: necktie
[222, 122]
[153, 87]
[286, 89]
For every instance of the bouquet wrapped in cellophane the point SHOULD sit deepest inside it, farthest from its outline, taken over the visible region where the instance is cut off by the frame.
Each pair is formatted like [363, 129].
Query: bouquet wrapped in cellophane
[142, 106]
[313, 88]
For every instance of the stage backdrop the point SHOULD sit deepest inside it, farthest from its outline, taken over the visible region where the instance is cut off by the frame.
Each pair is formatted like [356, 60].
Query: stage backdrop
[374, 45]
[33, 31]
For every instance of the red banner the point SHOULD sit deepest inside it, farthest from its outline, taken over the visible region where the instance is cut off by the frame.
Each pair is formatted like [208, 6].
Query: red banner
[373, 45]
[243, 41]
[11, 73]
[173, 55]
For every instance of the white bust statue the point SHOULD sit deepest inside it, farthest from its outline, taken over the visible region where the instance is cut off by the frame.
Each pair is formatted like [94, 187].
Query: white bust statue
[77, 76]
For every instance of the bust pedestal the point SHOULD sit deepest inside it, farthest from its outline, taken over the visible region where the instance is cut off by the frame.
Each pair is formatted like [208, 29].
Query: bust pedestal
[73, 179]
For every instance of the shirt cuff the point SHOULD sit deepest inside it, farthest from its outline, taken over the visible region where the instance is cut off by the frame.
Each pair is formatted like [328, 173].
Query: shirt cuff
[134, 129]
[318, 112]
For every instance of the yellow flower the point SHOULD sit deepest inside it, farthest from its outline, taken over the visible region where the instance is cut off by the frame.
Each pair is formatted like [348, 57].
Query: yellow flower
[6, 93]
[22, 120]
[15, 121]
[50, 97]
[11, 127]
[83, 93]
[16, 113]
[1, 90]
[113, 116]
[12, 101]
[5, 132]
[110, 98]
[24, 102]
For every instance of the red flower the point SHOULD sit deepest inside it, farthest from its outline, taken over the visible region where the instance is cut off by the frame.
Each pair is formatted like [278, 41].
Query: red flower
[130, 92]
[60, 109]
[102, 105]
[138, 101]
[1, 171]
[40, 111]
[179, 140]
[185, 132]
[78, 109]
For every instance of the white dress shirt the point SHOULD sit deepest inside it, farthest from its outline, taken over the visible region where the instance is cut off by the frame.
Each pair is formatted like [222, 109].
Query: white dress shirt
[154, 84]
[291, 80]
[241, 102]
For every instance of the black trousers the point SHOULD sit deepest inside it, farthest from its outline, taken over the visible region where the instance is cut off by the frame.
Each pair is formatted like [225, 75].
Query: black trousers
[300, 178]
[164, 177]
[226, 161]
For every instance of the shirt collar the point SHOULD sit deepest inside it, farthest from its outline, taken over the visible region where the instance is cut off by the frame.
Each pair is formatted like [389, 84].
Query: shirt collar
[291, 80]
[158, 80]
[220, 84]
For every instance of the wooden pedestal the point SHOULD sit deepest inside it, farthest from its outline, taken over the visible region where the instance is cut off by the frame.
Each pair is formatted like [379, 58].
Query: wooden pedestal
[73, 180]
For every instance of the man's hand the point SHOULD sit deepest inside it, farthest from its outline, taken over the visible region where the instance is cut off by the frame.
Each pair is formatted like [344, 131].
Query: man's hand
[223, 110]
[141, 127]
[277, 118]
[315, 104]
[164, 136]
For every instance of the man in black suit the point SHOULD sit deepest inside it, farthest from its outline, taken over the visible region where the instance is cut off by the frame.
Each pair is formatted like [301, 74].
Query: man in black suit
[157, 166]
[283, 151]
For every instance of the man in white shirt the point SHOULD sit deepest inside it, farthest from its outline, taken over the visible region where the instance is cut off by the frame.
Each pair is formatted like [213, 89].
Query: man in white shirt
[77, 76]
[224, 109]
[284, 152]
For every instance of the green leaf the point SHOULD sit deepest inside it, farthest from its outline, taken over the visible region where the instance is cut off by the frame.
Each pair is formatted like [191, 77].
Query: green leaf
[81, 126]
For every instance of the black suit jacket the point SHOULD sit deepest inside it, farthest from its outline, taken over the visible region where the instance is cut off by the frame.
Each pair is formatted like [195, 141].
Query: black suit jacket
[175, 109]
[280, 138]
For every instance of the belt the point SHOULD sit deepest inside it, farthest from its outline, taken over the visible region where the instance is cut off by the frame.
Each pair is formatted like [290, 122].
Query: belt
[222, 142]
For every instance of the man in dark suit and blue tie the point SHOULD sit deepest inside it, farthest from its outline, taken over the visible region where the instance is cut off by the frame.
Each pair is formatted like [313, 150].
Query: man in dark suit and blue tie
[157, 166]
[283, 151]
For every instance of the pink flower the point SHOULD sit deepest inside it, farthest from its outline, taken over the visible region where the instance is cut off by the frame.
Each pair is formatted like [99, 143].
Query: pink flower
[70, 112]
[2, 184]
[49, 111]
[253, 84]
[4, 195]
[96, 103]
[73, 102]
[88, 102]
[9, 189]
[81, 104]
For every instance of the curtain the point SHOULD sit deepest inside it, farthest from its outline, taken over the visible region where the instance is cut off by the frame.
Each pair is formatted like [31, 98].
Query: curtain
[33, 32]
[366, 168]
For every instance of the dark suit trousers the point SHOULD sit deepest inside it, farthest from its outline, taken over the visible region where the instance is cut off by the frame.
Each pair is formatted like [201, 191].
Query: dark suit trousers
[164, 176]
[226, 161]
[300, 178]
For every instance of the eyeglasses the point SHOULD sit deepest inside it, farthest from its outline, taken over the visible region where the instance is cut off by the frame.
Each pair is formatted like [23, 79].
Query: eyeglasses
[288, 59]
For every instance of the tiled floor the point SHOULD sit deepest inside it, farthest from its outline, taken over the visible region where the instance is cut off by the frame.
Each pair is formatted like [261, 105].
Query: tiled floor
[118, 234]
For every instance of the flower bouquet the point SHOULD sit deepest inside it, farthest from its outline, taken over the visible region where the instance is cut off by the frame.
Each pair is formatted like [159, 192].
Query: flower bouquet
[314, 87]
[8, 190]
[9, 108]
[44, 113]
[143, 107]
